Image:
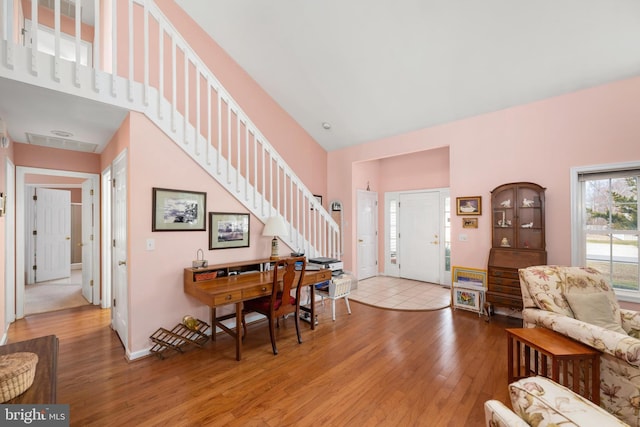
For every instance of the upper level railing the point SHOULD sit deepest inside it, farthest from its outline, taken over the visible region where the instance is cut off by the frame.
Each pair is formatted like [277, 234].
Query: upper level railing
[136, 59]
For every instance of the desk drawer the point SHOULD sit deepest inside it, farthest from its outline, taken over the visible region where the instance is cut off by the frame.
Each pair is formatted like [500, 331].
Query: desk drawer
[256, 291]
[324, 275]
[228, 298]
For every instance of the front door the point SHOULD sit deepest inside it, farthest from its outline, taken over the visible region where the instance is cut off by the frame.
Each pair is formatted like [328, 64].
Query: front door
[419, 241]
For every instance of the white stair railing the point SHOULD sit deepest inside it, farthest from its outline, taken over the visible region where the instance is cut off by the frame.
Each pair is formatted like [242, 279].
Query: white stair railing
[164, 78]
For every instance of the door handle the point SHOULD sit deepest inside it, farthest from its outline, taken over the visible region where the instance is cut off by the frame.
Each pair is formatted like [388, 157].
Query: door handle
[67, 238]
[122, 262]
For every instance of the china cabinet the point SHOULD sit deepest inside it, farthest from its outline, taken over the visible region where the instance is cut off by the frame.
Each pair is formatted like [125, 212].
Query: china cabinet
[518, 240]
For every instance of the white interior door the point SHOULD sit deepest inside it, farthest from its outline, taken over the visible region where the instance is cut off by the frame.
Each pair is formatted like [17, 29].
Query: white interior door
[419, 237]
[9, 246]
[367, 234]
[119, 306]
[53, 234]
[87, 241]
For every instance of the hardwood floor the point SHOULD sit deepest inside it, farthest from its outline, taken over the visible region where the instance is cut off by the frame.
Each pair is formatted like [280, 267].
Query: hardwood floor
[374, 368]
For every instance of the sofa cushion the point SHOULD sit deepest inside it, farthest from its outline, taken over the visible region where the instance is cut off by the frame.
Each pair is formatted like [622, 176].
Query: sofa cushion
[596, 309]
[542, 402]
[545, 285]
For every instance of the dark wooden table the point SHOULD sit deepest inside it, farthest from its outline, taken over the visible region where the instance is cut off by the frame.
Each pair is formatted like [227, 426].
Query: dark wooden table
[535, 347]
[43, 389]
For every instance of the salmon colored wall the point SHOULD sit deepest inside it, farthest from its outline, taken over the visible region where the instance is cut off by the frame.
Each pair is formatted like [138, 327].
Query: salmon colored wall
[157, 298]
[538, 142]
[52, 158]
[305, 156]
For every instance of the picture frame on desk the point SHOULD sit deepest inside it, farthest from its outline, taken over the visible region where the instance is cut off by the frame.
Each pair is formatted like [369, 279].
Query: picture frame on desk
[228, 230]
[178, 210]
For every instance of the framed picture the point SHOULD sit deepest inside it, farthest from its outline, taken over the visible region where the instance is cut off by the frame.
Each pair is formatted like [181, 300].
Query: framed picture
[469, 222]
[228, 230]
[468, 299]
[318, 199]
[178, 210]
[469, 276]
[469, 205]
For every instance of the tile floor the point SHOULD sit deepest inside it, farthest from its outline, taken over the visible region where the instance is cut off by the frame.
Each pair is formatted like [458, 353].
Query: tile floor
[401, 294]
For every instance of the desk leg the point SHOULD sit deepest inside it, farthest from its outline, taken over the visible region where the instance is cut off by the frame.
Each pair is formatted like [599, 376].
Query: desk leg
[313, 306]
[238, 334]
[213, 323]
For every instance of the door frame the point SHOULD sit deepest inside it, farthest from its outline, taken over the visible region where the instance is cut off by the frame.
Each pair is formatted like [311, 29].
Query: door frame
[21, 172]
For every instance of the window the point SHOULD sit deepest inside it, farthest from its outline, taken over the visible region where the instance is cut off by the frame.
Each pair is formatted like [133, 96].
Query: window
[606, 205]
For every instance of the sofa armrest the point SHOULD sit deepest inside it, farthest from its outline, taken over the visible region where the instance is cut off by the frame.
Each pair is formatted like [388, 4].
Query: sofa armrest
[621, 346]
[496, 414]
[631, 322]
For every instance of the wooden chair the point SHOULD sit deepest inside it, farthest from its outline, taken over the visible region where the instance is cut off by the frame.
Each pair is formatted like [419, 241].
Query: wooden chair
[288, 274]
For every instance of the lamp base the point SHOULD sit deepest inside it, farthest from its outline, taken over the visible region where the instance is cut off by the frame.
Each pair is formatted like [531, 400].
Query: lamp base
[274, 249]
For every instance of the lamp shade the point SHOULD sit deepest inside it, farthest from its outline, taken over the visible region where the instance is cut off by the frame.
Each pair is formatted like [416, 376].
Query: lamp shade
[275, 226]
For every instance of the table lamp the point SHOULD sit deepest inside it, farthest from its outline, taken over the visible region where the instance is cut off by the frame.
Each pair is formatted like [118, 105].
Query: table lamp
[275, 227]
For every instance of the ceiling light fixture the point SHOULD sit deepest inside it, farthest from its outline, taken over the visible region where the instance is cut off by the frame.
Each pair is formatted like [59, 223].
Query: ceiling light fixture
[62, 133]
[326, 125]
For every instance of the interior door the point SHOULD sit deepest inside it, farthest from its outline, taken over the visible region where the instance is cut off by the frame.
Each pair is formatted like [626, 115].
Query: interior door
[87, 240]
[419, 241]
[367, 234]
[52, 234]
[119, 306]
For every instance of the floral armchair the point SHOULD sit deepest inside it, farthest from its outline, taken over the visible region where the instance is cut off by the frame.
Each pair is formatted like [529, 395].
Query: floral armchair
[540, 402]
[580, 303]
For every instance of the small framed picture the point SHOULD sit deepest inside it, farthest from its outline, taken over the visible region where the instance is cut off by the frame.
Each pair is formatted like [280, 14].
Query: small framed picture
[228, 230]
[467, 299]
[318, 199]
[469, 222]
[469, 205]
[178, 210]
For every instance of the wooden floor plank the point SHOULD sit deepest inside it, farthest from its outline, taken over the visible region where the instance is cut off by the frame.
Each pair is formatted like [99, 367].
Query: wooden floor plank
[375, 367]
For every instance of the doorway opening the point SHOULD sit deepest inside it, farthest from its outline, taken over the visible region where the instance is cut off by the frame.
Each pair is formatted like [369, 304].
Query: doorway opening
[89, 275]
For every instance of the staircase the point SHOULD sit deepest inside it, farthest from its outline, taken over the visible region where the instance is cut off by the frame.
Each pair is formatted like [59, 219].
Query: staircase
[196, 112]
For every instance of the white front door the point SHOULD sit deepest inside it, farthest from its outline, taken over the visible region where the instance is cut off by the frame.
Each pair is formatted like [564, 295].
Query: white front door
[419, 236]
[9, 246]
[119, 306]
[52, 234]
[87, 240]
[367, 234]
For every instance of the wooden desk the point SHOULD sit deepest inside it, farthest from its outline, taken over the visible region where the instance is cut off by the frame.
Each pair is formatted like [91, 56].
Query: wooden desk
[538, 345]
[43, 389]
[235, 289]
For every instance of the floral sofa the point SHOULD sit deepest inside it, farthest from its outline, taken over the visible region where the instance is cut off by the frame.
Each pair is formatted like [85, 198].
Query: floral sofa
[540, 402]
[580, 303]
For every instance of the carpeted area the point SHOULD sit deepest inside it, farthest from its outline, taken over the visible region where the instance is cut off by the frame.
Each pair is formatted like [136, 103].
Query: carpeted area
[44, 297]
[401, 294]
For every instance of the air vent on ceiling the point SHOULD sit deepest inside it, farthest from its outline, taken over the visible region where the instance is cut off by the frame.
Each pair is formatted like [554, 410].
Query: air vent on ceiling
[67, 7]
[62, 143]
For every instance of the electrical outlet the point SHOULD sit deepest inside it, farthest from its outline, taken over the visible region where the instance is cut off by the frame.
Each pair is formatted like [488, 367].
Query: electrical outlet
[463, 237]
[151, 244]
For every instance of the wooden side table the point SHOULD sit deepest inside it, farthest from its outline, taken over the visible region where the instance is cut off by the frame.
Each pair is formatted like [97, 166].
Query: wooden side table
[531, 350]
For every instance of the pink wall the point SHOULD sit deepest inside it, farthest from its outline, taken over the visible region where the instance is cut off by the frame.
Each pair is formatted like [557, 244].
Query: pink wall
[51, 158]
[537, 142]
[301, 152]
[156, 277]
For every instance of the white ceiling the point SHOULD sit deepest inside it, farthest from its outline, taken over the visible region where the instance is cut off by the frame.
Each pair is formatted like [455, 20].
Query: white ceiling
[376, 68]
